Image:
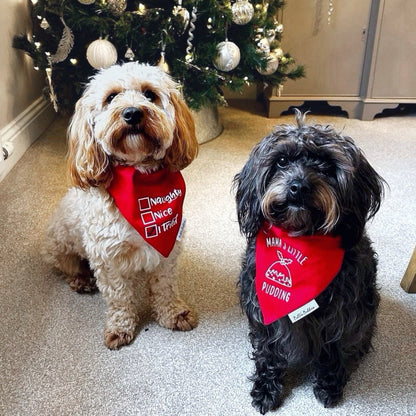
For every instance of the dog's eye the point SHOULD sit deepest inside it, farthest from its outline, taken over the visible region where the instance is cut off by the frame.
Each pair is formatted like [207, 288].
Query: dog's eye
[282, 161]
[150, 95]
[110, 97]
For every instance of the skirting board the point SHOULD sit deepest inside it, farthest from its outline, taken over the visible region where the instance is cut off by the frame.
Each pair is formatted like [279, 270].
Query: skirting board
[23, 131]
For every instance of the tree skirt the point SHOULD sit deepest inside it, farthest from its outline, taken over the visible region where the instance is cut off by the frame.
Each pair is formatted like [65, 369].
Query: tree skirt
[208, 126]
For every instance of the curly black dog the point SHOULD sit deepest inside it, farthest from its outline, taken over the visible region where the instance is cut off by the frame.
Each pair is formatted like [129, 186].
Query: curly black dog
[303, 184]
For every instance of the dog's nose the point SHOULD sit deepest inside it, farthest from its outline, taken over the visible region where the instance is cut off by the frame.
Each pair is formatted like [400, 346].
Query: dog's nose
[298, 190]
[132, 115]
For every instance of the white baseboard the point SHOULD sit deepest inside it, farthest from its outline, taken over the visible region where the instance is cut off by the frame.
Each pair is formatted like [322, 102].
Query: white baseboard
[20, 133]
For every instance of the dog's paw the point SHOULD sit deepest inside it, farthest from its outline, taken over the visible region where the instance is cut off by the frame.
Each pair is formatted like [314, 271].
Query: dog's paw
[264, 398]
[328, 397]
[185, 321]
[82, 283]
[116, 339]
[181, 319]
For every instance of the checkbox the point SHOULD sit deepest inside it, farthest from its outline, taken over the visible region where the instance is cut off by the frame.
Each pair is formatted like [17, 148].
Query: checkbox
[144, 204]
[151, 231]
[147, 218]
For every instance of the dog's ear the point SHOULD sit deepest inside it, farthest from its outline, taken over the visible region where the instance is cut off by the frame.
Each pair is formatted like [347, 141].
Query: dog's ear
[365, 194]
[87, 162]
[184, 147]
[250, 187]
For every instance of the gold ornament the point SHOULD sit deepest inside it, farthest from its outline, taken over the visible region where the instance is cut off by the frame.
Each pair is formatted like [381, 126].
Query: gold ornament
[184, 14]
[86, 1]
[101, 54]
[117, 7]
[278, 52]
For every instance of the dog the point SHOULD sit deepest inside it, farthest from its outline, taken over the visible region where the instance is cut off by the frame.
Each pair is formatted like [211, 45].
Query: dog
[303, 199]
[131, 132]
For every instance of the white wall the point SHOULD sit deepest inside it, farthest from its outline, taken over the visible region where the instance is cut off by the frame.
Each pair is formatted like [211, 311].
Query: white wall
[24, 114]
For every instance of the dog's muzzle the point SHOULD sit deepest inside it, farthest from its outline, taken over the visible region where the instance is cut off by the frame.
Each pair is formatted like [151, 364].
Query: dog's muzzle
[299, 191]
[132, 115]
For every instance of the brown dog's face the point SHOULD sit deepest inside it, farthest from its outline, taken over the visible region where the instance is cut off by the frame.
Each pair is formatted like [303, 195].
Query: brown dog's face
[131, 114]
[134, 117]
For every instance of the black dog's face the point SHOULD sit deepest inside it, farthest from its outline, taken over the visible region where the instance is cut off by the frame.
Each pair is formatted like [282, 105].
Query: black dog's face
[305, 184]
[308, 179]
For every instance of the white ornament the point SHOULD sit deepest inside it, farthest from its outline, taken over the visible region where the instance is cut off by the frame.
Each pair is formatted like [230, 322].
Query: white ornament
[264, 46]
[129, 54]
[278, 52]
[242, 11]
[271, 35]
[272, 65]
[44, 24]
[86, 1]
[228, 56]
[101, 54]
[162, 63]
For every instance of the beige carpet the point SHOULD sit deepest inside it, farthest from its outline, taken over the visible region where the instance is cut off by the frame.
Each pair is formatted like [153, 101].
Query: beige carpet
[52, 357]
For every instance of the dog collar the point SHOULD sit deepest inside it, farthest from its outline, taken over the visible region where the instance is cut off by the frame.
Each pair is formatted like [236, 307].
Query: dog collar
[292, 271]
[151, 203]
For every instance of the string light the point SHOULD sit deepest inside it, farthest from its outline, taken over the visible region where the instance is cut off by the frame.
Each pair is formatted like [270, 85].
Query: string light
[142, 9]
[330, 10]
[73, 61]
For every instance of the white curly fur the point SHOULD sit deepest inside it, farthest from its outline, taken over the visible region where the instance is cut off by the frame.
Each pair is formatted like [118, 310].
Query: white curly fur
[88, 239]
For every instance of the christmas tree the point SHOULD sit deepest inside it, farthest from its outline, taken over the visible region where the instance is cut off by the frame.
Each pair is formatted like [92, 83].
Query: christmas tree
[206, 45]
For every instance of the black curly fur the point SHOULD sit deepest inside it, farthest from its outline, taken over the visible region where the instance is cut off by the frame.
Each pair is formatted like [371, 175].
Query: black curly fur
[334, 337]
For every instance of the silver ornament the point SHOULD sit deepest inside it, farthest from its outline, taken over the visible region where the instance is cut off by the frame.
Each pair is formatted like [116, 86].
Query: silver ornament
[189, 57]
[228, 56]
[242, 12]
[65, 45]
[272, 65]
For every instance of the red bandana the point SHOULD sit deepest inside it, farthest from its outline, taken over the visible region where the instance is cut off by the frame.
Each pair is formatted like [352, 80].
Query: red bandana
[151, 203]
[291, 271]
